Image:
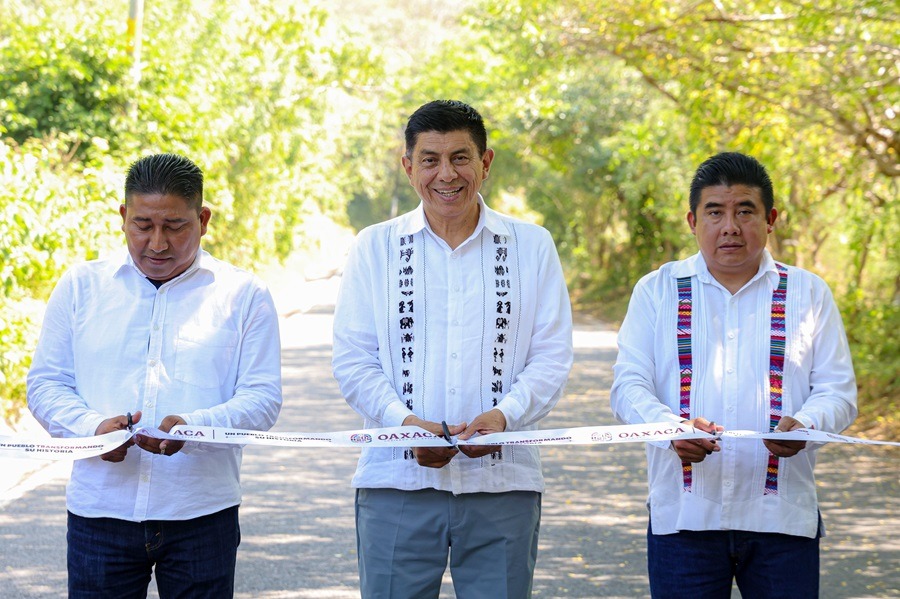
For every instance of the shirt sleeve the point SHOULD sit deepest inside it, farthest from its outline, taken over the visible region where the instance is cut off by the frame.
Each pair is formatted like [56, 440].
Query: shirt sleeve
[355, 361]
[633, 396]
[539, 386]
[257, 397]
[51, 387]
[831, 404]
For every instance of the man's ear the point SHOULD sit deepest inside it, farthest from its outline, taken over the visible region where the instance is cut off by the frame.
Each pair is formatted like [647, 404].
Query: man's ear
[406, 161]
[205, 215]
[486, 159]
[770, 220]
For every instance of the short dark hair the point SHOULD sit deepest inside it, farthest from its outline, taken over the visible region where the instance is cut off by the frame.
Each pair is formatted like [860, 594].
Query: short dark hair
[444, 116]
[732, 168]
[166, 174]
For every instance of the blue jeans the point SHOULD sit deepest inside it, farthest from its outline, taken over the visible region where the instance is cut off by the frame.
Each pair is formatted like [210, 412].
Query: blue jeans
[113, 558]
[703, 564]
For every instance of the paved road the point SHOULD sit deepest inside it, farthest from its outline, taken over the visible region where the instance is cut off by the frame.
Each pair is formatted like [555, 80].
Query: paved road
[297, 516]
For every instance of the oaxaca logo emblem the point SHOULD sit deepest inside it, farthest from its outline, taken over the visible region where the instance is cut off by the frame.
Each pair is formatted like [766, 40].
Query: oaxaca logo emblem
[360, 438]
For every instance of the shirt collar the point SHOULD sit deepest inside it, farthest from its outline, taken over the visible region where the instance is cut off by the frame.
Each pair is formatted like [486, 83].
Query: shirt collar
[696, 266]
[202, 261]
[414, 221]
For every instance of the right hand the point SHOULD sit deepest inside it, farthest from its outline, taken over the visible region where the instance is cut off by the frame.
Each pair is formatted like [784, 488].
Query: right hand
[117, 423]
[696, 450]
[434, 457]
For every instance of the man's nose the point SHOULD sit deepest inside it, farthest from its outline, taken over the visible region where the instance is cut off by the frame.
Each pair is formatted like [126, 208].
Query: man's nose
[158, 242]
[730, 225]
[447, 172]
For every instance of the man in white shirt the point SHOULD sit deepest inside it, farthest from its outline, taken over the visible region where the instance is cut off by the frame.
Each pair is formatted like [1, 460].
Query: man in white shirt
[452, 312]
[174, 336]
[729, 339]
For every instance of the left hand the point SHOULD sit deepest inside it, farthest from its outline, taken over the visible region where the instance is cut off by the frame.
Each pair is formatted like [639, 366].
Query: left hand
[162, 446]
[785, 449]
[117, 423]
[492, 421]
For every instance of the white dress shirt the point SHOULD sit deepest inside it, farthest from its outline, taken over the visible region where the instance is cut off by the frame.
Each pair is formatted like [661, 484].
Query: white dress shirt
[731, 353]
[204, 346]
[445, 334]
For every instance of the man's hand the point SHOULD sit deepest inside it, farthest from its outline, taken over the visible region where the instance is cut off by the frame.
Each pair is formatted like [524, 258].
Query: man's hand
[162, 446]
[492, 421]
[696, 450]
[117, 423]
[434, 457]
[785, 449]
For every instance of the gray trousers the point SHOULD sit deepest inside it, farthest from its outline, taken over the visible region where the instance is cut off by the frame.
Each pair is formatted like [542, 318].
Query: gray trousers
[404, 539]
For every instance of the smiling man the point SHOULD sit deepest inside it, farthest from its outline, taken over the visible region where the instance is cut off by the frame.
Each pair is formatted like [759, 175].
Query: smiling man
[731, 339]
[174, 336]
[452, 312]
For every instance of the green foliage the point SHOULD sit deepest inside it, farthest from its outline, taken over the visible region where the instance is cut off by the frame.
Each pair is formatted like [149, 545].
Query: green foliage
[599, 113]
[62, 73]
[808, 88]
[53, 212]
[242, 88]
[18, 333]
[872, 332]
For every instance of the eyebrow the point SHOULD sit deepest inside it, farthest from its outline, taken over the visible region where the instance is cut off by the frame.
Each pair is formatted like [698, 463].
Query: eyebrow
[453, 153]
[744, 203]
[167, 220]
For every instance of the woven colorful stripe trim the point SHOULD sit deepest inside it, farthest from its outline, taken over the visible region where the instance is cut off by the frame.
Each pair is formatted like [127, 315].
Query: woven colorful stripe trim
[685, 363]
[776, 370]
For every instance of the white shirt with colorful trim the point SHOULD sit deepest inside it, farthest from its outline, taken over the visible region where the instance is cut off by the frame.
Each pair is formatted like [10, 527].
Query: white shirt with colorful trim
[449, 334]
[730, 347]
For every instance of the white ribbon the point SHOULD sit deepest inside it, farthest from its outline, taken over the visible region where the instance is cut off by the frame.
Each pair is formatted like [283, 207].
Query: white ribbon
[401, 436]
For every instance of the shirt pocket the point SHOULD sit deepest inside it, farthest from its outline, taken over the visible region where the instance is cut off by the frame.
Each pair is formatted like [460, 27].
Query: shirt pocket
[203, 355]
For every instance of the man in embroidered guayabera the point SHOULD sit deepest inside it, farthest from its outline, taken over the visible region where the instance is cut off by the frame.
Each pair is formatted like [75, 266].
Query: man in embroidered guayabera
[162, 334]
[730, 339]
[451, 313]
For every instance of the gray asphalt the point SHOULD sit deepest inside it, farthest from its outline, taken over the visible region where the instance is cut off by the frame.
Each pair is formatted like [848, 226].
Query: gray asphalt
[297, 514]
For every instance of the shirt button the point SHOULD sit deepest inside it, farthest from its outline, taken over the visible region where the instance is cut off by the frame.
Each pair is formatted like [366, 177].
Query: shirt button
[156, 327]
[730, 370]
[731, 408]
[453, 356]
[455, 322]
[149, 403]
[152, 362]
[731, 335]
[456, 288]
[144, 478]
[452, 391]
[728, 483]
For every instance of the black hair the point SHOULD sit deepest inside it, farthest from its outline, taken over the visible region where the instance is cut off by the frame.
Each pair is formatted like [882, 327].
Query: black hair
[732, 168]
[444, 116]
[166, 174]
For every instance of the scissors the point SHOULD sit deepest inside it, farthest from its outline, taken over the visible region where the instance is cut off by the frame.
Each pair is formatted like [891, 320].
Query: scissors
[447, 434]
[130, 424]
